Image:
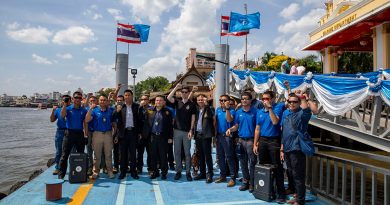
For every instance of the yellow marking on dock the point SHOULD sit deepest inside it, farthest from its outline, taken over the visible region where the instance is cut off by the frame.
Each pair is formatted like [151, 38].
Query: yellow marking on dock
[81, 193]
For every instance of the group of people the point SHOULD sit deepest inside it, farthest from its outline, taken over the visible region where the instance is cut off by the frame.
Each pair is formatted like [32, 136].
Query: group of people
[253, 131]
[292, 67]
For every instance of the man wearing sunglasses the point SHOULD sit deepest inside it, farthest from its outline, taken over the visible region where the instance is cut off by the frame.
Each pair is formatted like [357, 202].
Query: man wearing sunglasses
[267, 138]
[143, 143]
[296, 118]
[74, 135]
[183, 128]
[245, 122]
[224, 120]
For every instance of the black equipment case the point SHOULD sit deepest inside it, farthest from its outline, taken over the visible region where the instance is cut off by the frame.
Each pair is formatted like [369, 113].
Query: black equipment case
[78, 164]
[264, 182]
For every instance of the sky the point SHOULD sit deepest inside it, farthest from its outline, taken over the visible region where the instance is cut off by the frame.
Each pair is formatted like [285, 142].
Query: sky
[51, 45]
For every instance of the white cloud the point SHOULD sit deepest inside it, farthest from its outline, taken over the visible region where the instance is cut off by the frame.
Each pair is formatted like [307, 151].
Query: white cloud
[64, 55]
[74, 35]
[295, 34]
[194, 28]
[92, 12]
[90, 50]
[164, 66]
[57, 82]
[253, 52]
[151, 9]
[73, 77]
[117, 14]
[35, 35]
[102, 75]
[315, 3]
[305, 23]
[290, 11]
[41, 60]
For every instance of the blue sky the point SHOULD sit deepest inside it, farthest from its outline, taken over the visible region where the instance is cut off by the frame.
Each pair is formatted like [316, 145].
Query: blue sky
[51, 45]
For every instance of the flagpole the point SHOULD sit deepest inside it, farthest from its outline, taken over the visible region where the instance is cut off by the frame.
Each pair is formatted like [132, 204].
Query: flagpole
[116, 43]
[246, 41]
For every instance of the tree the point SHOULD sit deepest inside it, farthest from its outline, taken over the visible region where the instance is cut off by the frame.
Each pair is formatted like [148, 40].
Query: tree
[353, 62]
[267, 57]
[152, 84]
[276, 61]
[311, 64]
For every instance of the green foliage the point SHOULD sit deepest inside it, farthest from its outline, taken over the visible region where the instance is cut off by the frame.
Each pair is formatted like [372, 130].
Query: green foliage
[105, 92]
[311, 64]
[267, 57]
[355, 62]
[152, 84]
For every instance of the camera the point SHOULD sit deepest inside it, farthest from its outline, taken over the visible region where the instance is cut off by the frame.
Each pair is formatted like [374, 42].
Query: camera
[66, 100]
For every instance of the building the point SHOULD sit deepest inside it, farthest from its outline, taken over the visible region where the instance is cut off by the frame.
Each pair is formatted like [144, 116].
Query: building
[353, 26]
[203, 65]
[240, 65]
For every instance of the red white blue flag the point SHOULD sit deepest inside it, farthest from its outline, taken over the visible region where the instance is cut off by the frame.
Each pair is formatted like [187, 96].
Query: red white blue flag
[128, 34]
[225, 20]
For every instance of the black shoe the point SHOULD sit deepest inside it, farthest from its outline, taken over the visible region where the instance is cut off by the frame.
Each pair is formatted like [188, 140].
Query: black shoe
[163, 176]
[189, 177]
[244, 187]
[61, 176]
[122, 175]
[135, 176]
[209, 180]
[200, 176]
[172, 167]
[250, 189]
[177, 176]
[281, 200]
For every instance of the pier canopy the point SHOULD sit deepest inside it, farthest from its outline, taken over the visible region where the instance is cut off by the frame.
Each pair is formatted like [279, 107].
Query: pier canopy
[353, 26]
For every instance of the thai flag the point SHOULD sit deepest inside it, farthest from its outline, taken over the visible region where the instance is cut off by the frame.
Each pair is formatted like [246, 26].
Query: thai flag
[128, 34]
[225, 28]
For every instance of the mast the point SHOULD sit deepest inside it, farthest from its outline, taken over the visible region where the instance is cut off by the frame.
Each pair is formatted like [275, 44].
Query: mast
[246, 41]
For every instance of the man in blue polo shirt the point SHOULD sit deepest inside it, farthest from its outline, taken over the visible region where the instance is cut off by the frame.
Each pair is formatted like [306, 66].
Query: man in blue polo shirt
[224, 120]
[102, 139]
[245, 122]
[61, 127]
[267, 138]
[74, 135]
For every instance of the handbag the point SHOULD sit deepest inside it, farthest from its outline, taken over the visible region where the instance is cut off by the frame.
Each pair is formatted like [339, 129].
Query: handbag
[306, 143]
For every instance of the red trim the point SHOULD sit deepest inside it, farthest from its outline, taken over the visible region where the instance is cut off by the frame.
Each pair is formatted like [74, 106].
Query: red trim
[128, 41]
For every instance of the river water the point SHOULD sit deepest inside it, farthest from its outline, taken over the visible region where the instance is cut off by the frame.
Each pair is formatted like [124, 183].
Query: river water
[26, 143]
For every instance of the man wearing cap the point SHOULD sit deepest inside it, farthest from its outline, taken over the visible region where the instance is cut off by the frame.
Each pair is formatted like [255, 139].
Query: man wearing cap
[74, 115]
[61, 127]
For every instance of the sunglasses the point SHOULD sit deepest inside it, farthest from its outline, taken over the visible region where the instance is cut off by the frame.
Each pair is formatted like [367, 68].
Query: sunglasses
[77, 97]
[145, 99]
[265, 99]
[184, 92]
[245, 99]
[223, 100]
[292, 101]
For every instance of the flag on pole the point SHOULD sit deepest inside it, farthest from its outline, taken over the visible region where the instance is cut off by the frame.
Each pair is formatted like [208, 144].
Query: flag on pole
[128, 34]
[143, 31]
[225, 28]
[239, 22]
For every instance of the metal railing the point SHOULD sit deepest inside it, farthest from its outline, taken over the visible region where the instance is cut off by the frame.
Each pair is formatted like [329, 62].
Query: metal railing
[348, 181]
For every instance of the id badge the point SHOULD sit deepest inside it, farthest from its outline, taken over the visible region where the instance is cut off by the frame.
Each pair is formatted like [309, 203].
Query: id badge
[104, 119]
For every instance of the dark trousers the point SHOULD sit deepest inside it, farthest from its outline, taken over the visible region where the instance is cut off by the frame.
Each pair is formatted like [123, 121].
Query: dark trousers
[204, 147]
[270, 148]
[296, 160]
[171, 159]
[143, 144]
[158, 150]
[128, 145]
[116, 155]
[225, 154]
[72, 138]
[248, 160]
[59, 138]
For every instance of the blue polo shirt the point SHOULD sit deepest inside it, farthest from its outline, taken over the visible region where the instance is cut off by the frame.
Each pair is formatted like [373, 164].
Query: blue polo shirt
[102, 119]
[75, 117]
[222, 123]
[267, 129]
[61, 123]
[291, 122]
[246, 122]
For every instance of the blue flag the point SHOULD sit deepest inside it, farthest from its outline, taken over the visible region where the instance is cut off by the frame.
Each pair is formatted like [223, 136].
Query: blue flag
[143, 31]
[240, 22]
